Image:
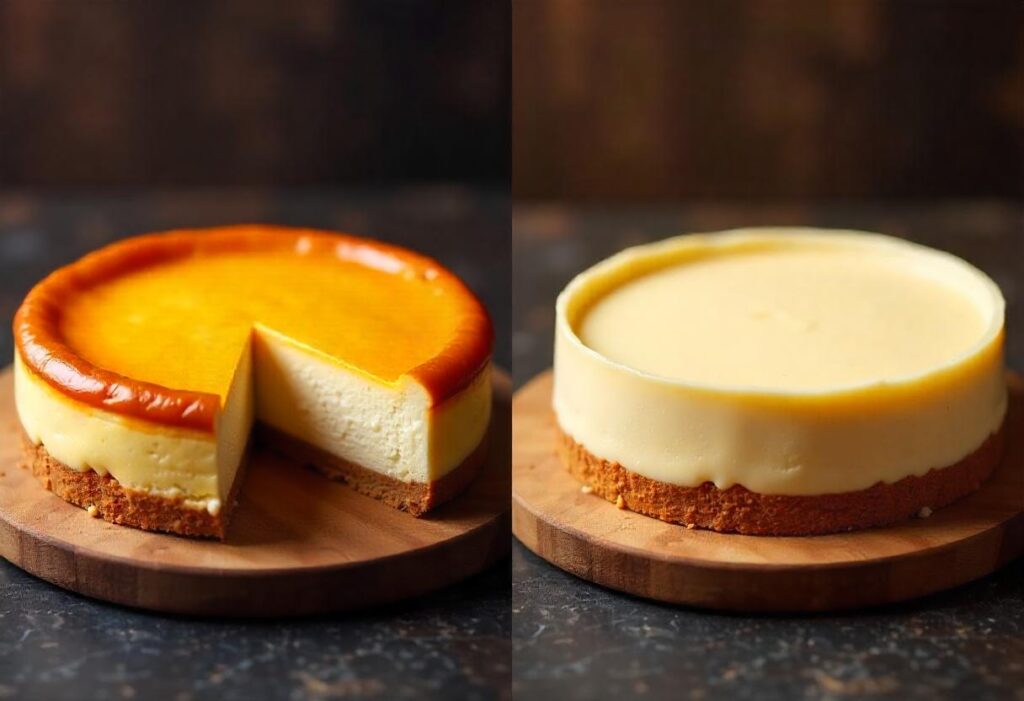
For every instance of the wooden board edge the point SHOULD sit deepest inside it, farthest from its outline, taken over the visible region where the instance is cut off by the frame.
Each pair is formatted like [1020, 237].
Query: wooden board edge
[704, 585]
[287, 594]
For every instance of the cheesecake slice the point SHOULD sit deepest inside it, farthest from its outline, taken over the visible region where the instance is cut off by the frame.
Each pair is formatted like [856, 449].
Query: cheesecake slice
[780, 381]
[141, 368]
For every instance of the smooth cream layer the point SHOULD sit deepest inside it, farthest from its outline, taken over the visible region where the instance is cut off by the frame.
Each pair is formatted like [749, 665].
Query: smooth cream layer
[788, 361]
[390, 429]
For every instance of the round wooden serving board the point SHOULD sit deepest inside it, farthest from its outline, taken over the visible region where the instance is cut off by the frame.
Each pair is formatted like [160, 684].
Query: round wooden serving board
[591, 538]
[298, 543]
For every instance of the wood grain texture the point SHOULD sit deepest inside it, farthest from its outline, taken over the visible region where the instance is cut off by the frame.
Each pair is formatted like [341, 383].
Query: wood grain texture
[298, 543]
[590, 538]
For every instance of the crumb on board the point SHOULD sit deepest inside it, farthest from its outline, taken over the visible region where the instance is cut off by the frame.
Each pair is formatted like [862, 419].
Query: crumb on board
[620, 503]
[586, 489]
[925, 512]
[92, 511]
[691, 526]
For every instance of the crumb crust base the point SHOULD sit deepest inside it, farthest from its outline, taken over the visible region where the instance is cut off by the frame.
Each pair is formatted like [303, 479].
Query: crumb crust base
[739, 510]
[108, 499]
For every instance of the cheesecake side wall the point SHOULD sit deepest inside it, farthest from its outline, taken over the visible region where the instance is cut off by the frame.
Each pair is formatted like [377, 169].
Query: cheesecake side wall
[84, 438]
[684, 436]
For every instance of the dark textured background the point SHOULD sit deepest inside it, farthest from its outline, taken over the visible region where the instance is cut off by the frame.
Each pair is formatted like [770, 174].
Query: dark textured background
[252, 92]
[668, 99]
[450, 645]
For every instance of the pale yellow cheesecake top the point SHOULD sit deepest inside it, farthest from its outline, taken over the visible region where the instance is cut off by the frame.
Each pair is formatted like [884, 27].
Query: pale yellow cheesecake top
[787, 318]
[790, 361]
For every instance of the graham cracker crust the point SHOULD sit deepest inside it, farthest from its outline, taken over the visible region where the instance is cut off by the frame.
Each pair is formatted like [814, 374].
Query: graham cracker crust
[739, 510]
[169, 514]
[416, 498]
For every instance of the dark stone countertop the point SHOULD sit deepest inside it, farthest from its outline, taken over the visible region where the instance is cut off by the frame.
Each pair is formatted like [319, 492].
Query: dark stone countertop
[575, 640]
[452, 644]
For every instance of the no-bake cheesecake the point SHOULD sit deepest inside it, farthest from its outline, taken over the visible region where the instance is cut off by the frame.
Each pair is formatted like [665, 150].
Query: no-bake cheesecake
[780, 381]
[141, 368]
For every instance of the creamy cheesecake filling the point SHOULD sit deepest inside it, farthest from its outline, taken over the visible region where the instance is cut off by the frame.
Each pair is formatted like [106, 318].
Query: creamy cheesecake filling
[459, 425]
[390, 429]
[787, 362]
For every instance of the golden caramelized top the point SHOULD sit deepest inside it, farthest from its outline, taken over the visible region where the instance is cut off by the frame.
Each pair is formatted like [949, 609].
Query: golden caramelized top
[154, 326]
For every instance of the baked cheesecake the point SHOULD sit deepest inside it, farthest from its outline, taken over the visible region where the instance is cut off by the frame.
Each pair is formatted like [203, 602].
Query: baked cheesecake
[780, 381]
[141, 368]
